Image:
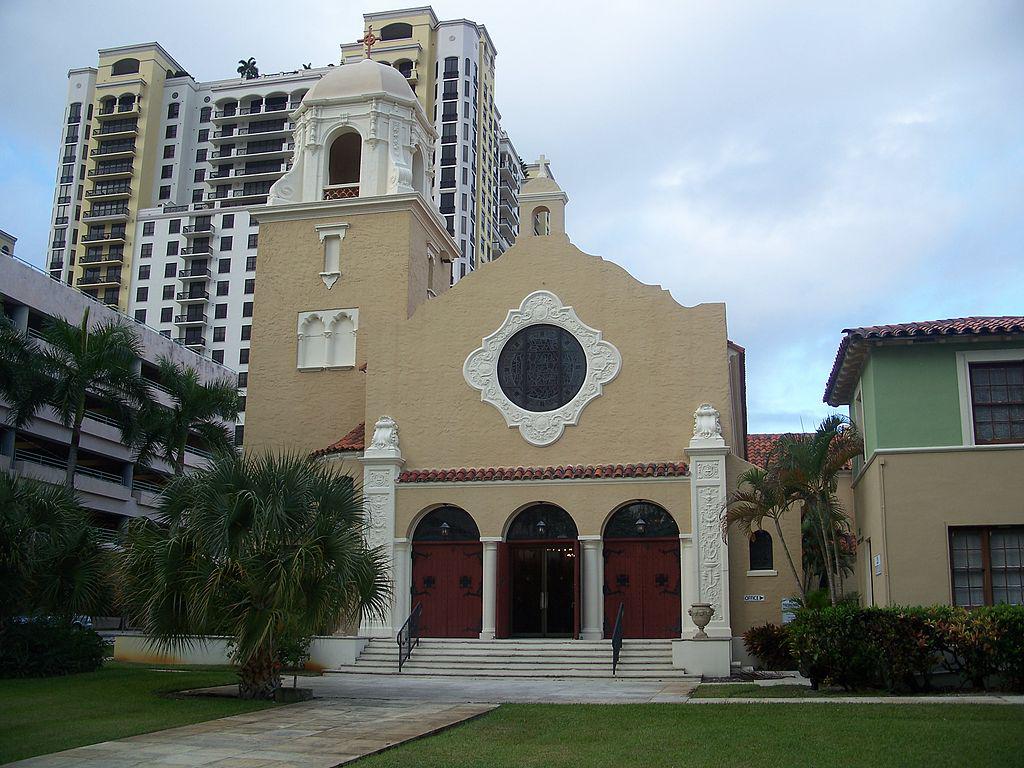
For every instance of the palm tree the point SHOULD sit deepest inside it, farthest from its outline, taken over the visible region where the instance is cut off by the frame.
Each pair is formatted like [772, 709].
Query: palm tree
[760, 496]
[51, 558]
[263, 549]
[197, 408]
[809, 466]
[81, 361]
[21, 383]
[247, 69]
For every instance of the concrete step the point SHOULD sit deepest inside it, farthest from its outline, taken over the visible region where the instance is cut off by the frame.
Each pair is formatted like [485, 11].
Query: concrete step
[410, 668]
[507, 653]
[500, 663]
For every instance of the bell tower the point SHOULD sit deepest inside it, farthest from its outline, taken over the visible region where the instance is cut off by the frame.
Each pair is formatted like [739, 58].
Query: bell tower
[541, 202]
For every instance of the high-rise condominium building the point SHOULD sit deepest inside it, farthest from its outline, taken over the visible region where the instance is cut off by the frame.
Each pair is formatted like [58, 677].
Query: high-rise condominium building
[157, 170]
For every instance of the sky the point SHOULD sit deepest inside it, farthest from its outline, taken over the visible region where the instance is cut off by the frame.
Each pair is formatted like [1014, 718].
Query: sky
[815, 165]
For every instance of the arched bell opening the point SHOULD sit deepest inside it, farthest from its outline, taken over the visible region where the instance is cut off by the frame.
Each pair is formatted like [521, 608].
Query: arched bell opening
[447, 573]
[343, 166]
[642, 571]
[541, 592]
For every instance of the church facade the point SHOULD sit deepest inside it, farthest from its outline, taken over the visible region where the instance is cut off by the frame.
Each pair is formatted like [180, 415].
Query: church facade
[544, 449]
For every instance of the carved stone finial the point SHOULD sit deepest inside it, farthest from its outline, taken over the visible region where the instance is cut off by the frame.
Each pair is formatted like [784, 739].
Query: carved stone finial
[385, 435]
[707, 424]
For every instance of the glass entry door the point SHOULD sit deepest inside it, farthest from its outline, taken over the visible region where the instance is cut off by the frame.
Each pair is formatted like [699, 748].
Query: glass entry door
[543, 590]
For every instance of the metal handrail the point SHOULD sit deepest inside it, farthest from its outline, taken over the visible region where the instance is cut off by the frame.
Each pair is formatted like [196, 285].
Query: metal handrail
[408, 636]
[617, 637]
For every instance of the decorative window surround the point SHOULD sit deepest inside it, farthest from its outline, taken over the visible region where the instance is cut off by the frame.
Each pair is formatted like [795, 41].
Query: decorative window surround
[963, 381]
[542, 307]
[331, 236]
[327, 339]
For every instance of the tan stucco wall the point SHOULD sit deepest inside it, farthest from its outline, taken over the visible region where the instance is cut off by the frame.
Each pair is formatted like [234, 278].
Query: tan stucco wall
[673, 358]
[383, 275]
[925, 493]
[493, 504]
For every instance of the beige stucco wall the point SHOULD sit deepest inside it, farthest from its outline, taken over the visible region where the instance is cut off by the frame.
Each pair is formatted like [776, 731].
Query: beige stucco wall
[906, 503]
[493, 504]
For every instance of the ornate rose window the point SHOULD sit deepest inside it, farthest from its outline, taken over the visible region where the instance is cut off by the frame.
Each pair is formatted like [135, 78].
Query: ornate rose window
[541, 367]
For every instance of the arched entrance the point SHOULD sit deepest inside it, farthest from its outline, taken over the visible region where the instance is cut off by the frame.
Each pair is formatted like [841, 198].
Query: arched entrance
[543, 567]
[641, 571]
[447, 573]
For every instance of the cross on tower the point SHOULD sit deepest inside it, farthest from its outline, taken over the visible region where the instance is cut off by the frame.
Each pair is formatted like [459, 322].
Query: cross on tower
[369, 40]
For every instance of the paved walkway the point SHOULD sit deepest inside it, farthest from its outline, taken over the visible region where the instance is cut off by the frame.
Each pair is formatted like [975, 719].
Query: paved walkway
[317, 734]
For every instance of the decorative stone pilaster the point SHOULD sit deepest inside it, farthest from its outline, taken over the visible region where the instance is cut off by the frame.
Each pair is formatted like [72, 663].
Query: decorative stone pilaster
[490, 586]
[708, 554]
[402, 580]
[593, 595]
[382, 461]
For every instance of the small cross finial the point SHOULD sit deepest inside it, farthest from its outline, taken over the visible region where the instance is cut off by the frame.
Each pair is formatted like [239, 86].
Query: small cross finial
[369, 40]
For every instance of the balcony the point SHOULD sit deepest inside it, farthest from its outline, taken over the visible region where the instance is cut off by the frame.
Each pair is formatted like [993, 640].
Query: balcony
[341, 191]
[191, 297]
[194, 275]
[120, 111]
[114, 171]
[109, 192]
[107, 237]
[235, 195]
[228, 155]
[248, 113]
[118, 150]
[190, 319]
[266, 131]
[192, 230]
[118, 129]
[113, 214]
[193, 343]
[93, 280]
[250, 175]
[197, 250]
[102, 258]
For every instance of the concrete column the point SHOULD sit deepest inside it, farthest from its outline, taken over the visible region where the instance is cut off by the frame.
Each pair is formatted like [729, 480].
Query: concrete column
[592, 594]
[382, 461]
[688, 592]
[19, 316]
[490, 586]
[401, 597]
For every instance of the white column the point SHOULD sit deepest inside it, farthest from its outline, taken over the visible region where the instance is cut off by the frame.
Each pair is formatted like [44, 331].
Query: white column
[592, 594]
[403, 575]
[707, 452]
[382, 461]
[689, 594]
[490, 586]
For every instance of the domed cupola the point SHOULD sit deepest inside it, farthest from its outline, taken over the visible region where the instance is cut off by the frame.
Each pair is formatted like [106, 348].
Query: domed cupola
[359, 132]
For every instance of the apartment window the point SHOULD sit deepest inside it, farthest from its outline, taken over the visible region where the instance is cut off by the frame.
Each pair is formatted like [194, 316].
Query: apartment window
[168, 151]
[204, 114]
[201, 155]
[254, 240]
[165, 193]
[144, 272]
[247, 309]
[75, 113]
[171, 132]
[220, 311]
[142, 294]
[239, 434]
[173, 226]
[140, 315]
[168, 292]
[170, 269]
[204, 135]
[241, 404]
[250, 285]
[197, 195]
[199, 175]
[243, 357]
[223, 266]
[166, 171]
[250, 263]
[146, 250]
[217, 356]
[227, 221]
[172, 248]
[243, 379]
[997, 402]
[218, 333]
[225, 243]
[222, 288]
[987, 565]
[147, 228]
[172, 110]
[246, 332]
[166, 314]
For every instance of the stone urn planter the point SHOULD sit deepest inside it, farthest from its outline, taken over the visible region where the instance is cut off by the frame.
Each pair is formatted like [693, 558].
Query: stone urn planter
[701, 614]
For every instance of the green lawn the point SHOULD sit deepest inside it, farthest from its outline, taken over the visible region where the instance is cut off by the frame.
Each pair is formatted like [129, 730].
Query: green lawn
[38, 716]
[762, 735]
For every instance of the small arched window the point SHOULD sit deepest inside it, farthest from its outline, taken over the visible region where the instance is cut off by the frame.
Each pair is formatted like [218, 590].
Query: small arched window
[419, 174]
[125, 67]
[541, 221]
[447, 523]
[397, 31]
[345, 158]
[761, 555]
[542, 522]
[641, 519]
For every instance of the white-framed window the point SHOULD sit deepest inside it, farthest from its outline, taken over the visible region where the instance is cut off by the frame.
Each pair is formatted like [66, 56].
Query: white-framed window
[991, 387]
[327, 339]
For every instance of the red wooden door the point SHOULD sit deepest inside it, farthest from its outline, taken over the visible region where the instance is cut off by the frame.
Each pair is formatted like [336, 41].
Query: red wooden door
[642, 574]
[447, 579]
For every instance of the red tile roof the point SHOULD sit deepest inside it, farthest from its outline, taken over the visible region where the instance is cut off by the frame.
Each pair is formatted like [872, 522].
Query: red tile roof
[571, 472]
[353, 441]
[852, 349]
[760, 445]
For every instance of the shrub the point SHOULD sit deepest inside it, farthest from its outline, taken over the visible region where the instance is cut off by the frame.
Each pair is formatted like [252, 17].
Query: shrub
[769, 644]
[46, 648]
[1009, 645]
[831, 645]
